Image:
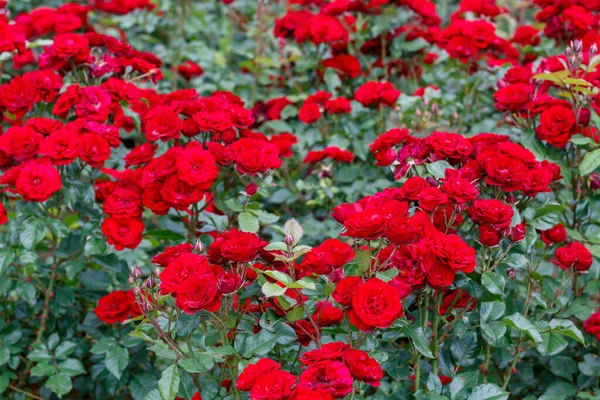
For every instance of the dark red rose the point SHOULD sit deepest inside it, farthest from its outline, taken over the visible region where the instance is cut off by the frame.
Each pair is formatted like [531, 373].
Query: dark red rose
[513, 97]
[557, 125]
[253, 372]
[488, 235]
[117, 306]
[93, 149]
[3, 215]
[493, 212]
[450, 146]
[345, 289]
[21, 142]
[38, 181]
[333, 351]
[592, 325]
[253, 156]
[326, 314]
[274, 385]
[375, 304]
[327, 256]
[333, 378]
[60, 146]
[240, 246]
[574, 255]
[199, 292]
[556, 234]
[171, 253]
[306, 331]
[179, 194]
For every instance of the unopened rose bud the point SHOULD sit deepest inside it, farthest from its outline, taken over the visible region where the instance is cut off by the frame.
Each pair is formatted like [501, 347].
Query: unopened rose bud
[137, 292]
[593, 49]
[568, 51]
[199, 247]
[289, 240]
[431, 180]
[157, 272]
[510, 198]
[131, 281]
[511, 273]
[336, 275]
[150, 282]
[136, 272]
[577, 45]
[251, 189]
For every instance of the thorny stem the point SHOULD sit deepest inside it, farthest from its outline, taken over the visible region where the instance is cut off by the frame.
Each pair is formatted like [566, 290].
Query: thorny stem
[436, 321]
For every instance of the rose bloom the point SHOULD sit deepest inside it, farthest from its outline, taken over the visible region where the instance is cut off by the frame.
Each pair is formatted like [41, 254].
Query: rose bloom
[363, 367]
[123, 233]
[450, 146]
[124, 202]
[199, 293]
[3, 215]
[574, 255]
[255, 371]
[327, 256]
[171, 253]
[140, 154]
[162, 123]
[557, 125]
[241, 246]
[274, 385]
[284, 142]
[556, 234]
[592, 325]
[190, 69]
[326, 314]
[368, 224]
[60, 146]
[179, 270]
[345, 289]
[38, 181]
[197, 167]
[513, 97]
[253, 156]
[93, 149]
[304, 393]
[333, 377]
[454, 252]
[493, 212]
[506, 172]
[21, 142]
[179, 194]
[117, 306]
[333, 351]
[375, 304]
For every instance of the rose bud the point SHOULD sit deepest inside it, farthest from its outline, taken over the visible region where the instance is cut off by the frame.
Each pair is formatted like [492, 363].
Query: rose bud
[229, 283]
[584, 116]
[136, 272]
[251, 189]
[336, 275]
[518, 232]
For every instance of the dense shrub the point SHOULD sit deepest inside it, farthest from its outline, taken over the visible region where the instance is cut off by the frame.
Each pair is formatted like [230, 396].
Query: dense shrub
[301, 199]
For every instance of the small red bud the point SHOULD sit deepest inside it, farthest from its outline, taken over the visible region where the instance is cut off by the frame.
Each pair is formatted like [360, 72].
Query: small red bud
[251, 189]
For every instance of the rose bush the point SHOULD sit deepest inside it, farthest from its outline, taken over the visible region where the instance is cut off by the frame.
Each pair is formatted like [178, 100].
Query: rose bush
[303, 199]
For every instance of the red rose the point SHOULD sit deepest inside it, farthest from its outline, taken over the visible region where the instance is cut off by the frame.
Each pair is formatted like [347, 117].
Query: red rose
[310, 112]
[557, 125]
[199, 292]
[452, 251]
[284, 142]
[326, 29]
[197, 167]
[556, 234]
[513, 97]
[450, 146]
[438, 274]
[327, 256]
[328, 352]
[375, 304]
[488, 235]
[346, 64]
[304, 393]
[240, 246]
[38, 181]
[93, 149]
[518, 75]
[459, 190]
[60, 146]
[179, 194]
[123, 233]
[363, 367]
[18, 96]
[253, 372]
[306, 331]
[506, 172]
[493, 212]
[412, 187]
[162, 123]
[117, 306]
[3, 215]
[153, 199]
[140, 154]
[65, 48]
[65, 101]
[326, 314]
[465, 300]
[274, 385]
[345, 289]
[190, 69]
[368, 224]
[93, 104]
[333, 378]
[403, 230]
[21, 142]
[526, 35]
[592, 325]
[182, 269]
[574, 255]
[171, 253]
[124, 202]
[253, 156]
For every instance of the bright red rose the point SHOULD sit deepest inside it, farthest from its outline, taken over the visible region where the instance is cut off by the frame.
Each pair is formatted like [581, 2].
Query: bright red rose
[179, 194]
[117, 306]
[124, 202]
[253, 372]
[93, 104]
[328, 352]
[556, 234]
[190, 69]
[514, 97]
[326, 314]
[197, 167]
[506, 172]
[537, 181]
[363, 367]
[274, 385]
[465, 300]
[345, 289]
[240, 246]
[327, 256]
[304, 393]
[93, 149]
[306, 331]
[403, 230]
[253, 156]
[310, 112]
[412, 188]
[60, 146]
[557, 125]
[140, 155]
[368, 224]
[171, 253]
[375, 304]
[459, 190]
[452, 251]
[199, 292]
[346, 64]
[123, 233]
[488, 235]
[574, 255]
[450, 146]
[3, 215]
[182, 269]
[38, 181]
[333, 377]
[21, 142]
[592, 325]
[284, 142]
[162, 123]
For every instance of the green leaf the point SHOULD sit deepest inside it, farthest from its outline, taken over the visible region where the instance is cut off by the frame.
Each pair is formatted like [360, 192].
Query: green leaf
[491, 310]
[493, 282]
[552, 343]
[60, 384]
[463, 350]
[295, 314]
[438, 168]
[419, 339]
[567, 328]
[116, 360]
[4, 354]
[6, 257]
[489, 391]
[64, 349]
[71, 367]
[203, 363]
[168, 384]
[272, 289]
[280, 277]
[294, 229]
[43, 369]
[248, 222]
[363, 259]
[518, 321]
[546, 216]
[590, 162]
[493, 331]
[33, 231]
